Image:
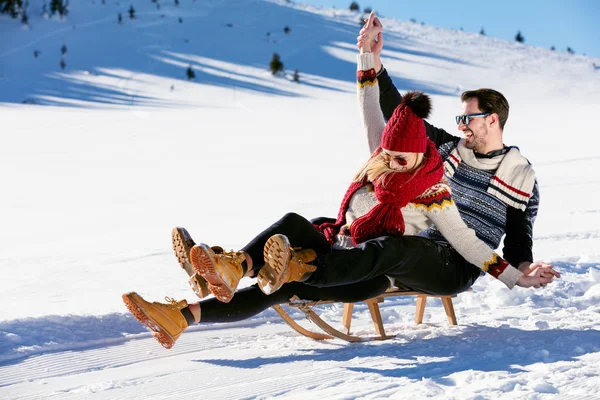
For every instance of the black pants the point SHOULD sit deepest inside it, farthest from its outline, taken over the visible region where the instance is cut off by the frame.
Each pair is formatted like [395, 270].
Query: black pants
[415, 262]
[349, 275]
[251, 301]
[299, 231]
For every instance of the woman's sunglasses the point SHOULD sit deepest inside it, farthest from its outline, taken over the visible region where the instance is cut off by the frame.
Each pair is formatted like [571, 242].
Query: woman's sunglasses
[399, 159]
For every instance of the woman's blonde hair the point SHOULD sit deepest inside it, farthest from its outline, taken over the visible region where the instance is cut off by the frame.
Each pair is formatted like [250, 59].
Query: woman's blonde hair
[379, 168]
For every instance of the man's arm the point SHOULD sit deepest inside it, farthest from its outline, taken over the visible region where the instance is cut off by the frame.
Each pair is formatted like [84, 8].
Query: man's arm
[389, 98]
[518, 242]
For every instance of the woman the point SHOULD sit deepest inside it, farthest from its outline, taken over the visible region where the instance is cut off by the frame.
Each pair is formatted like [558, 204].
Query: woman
[399, 191]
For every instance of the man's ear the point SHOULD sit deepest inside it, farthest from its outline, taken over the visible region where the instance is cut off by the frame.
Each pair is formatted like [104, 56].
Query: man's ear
[493, 119]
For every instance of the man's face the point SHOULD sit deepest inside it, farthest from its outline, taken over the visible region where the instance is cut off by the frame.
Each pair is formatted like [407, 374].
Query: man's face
[476, 133]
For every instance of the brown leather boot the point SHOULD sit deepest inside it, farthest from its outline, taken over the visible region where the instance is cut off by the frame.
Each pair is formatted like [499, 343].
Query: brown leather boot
[284, 264]
[221, 269]
[182, 244]
[165, 321]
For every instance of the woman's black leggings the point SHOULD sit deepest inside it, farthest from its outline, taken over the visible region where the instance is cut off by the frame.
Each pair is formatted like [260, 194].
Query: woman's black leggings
[251, 301]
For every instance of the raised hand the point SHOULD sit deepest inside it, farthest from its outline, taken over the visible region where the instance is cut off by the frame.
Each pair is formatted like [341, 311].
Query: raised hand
[370, 38]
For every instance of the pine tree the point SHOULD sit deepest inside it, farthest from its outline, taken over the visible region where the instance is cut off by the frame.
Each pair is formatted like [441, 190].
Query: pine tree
[11, 7]
[296, 76]
[354, 6]
[25, 18]
[176, 3]
[131, 12]
[36, 53]
[519, 38]
[552, 48]
[60, 7]
[190, 73]
[570, 50]
[276, 65]
[63, 50]
[367, 10]
[63, 64]
[287, 30]
[482, 32]
[120, 19]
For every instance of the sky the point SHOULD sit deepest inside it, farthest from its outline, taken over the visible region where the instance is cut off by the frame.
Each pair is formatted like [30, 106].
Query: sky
[560, 24]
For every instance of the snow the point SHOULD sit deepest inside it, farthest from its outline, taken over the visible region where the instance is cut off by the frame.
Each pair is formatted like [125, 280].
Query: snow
[98, 162]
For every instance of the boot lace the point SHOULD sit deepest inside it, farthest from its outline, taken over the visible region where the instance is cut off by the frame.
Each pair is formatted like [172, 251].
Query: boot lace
[234, 257]
[172, 302]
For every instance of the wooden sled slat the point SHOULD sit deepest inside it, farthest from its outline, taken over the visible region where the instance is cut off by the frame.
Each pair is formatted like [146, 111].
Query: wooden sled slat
[373, 304]
[297, 327]
[311, 315]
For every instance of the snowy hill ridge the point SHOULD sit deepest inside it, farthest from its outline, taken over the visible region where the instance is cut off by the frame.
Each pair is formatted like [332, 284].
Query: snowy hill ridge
[100, 160]
[157, 45]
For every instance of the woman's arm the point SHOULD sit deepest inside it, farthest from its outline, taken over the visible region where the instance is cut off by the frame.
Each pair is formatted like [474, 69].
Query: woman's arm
[368, 100]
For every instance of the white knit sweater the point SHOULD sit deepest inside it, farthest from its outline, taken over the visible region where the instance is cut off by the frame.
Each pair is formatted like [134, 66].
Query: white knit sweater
[434, 206]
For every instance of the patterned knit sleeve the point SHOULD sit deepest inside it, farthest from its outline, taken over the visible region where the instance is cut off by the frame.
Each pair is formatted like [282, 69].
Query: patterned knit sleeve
[368, 100]
[441, 209]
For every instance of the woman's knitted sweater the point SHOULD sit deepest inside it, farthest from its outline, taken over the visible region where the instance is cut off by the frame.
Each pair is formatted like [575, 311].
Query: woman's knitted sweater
[435, 206]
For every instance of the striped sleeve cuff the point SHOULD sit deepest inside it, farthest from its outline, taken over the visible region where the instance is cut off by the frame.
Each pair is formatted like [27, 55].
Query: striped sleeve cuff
[366, 74]
[503, 271]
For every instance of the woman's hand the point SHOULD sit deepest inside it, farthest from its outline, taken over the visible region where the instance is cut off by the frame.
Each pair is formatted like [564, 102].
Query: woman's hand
[537, 274]
[370, 38]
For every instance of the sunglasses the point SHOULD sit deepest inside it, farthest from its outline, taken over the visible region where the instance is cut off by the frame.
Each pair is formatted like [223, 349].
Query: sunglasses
[466, 119]
[399, 159]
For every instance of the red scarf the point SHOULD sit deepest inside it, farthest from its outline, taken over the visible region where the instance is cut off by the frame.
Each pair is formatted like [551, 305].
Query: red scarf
[385, 219]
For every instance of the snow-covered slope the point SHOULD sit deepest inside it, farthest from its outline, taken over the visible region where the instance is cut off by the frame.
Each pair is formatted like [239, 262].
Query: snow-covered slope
[99, 160]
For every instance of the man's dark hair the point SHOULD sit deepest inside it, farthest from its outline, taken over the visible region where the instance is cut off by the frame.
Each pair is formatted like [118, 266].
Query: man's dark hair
[489, 101]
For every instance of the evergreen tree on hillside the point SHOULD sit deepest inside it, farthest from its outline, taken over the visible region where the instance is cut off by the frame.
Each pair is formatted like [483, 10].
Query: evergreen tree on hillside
[59, 6]
[120, 19]
[482, 32]
[519, 38]
[131, 12]
[570, 50]
[11, 7]
[276, 65]
[354, 6]
[190, 73]
[63, 50]
[296, 76]
[287, 30]
[367, 10]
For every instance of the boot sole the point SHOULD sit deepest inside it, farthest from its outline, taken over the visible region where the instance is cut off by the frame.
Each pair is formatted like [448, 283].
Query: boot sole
[204, 265]
[182, 244]
[277, 260]
[139, 313]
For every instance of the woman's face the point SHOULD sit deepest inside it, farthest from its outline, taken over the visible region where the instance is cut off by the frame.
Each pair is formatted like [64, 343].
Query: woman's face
[402, 162]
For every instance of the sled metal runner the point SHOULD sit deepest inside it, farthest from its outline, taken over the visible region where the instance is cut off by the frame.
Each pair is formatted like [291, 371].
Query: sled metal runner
[373, 304]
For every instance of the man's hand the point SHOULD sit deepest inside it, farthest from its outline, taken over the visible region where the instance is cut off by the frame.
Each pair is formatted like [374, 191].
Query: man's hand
[537, 274]
[370, 38]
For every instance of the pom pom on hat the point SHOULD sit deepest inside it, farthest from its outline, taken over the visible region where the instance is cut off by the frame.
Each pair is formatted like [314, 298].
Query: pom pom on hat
[405, 130]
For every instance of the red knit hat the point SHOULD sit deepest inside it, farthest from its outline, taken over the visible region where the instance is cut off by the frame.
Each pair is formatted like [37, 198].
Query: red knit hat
[405, 130]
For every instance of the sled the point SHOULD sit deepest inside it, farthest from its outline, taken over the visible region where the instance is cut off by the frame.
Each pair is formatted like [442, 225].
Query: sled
[373, 304]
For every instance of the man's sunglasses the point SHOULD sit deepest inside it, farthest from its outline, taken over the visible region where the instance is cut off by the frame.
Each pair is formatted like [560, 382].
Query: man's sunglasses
[466, 119]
